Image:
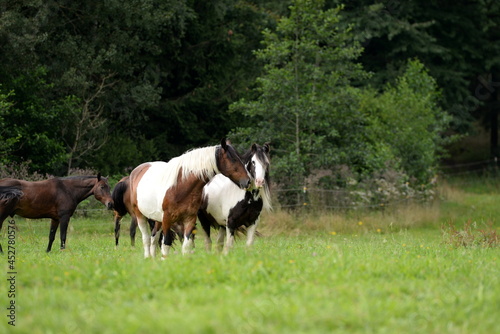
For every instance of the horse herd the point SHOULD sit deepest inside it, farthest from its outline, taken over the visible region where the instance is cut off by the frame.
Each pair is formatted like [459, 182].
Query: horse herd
[215, 185]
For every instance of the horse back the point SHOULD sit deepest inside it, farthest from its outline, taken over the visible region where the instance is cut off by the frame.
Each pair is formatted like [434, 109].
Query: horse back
[38, 199]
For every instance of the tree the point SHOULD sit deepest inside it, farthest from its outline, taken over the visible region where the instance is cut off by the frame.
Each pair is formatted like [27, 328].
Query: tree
[6, 141]
[305, 102]
[455, 40]
[405, 125]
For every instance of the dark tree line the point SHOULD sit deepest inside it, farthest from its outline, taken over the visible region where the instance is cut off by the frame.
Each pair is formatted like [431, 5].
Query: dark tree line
[110, 84]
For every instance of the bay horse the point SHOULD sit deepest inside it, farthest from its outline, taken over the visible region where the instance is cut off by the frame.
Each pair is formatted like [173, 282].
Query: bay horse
[228, 208]
[55, 198]
[170, 192]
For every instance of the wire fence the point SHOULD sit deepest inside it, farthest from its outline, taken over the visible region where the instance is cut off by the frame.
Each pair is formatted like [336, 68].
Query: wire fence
[342, 199]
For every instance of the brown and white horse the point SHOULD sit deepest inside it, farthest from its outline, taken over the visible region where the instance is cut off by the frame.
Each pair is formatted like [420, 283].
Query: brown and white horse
[55, 198]
[170, 192]
[123, 206]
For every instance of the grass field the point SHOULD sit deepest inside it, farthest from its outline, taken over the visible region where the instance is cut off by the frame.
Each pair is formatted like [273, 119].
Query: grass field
[389, 271]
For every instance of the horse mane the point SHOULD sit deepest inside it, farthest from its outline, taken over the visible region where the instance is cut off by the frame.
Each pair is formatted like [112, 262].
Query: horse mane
[265, 192]
[201, 162]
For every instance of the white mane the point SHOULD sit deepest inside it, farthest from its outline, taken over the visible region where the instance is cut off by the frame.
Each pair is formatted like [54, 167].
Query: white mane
[266, 197]
[264, 192]
[200, 161]
[161, 176]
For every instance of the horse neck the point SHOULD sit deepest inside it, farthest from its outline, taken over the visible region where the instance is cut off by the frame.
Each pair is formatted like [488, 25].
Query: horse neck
[80, 188]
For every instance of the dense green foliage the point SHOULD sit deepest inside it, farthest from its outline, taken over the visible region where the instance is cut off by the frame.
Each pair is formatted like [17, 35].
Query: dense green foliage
[306, 105]
[111, 84]
[405, 124]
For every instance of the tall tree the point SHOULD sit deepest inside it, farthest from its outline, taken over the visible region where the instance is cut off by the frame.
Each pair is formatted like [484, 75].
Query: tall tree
[456, 41]
[305, 98]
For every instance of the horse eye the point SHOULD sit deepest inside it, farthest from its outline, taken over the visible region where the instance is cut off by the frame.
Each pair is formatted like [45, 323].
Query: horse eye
[253, 162]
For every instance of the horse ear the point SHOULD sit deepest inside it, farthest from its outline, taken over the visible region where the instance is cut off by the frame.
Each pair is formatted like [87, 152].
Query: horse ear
[98, 176]
[254, 147]
[224, 142]
[267, 148]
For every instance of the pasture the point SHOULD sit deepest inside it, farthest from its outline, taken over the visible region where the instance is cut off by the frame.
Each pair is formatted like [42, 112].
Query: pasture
[389, 271]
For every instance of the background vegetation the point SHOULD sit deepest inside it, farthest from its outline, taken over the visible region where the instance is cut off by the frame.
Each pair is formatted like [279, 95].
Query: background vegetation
[361, 103]
[344, 93]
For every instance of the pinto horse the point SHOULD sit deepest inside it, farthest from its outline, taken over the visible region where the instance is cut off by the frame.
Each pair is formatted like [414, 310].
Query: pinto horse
[228, 208]
[122, 206]
[170, 192]
[55, 198]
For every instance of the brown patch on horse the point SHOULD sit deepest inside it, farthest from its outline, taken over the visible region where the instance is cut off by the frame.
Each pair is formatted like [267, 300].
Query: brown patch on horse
[135, 178]
[181, 203]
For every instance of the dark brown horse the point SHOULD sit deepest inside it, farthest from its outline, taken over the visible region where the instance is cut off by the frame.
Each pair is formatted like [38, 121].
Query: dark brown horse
[55, 198]
[171, 192]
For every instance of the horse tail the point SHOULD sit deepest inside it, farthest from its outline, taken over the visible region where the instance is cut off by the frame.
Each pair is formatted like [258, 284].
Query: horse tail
[117, 195]
[8, 194]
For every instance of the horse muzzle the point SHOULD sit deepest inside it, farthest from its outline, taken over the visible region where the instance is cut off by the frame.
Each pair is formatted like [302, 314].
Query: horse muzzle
[245, 183]
[259, 183]
[110, 205]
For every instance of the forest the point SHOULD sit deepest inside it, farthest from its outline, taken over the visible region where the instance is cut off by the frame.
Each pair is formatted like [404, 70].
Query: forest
[346, 93]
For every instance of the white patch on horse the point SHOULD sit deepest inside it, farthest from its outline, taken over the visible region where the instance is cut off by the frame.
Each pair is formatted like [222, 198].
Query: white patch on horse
[187, 245]
[223, 196]
[251, 233]
[260, 172]
[146, 235]
[161, 176]
[152, 188]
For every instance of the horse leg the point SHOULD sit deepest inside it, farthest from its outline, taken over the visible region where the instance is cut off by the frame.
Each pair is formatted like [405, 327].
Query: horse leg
[155, 235]
[54, 224]
[229, 239]
[133, 230]
[251, 233]
[168, 238]
[188, 244]
[3, 215]
[205, 224]
[2, 218]
[220, 237]
[7, 207]
[118, 220]
[64, 229]
[208, 241]
[146, 235]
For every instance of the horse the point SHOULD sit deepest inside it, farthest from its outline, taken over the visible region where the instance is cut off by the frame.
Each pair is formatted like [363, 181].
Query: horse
[229, 208]
[170, 192]
[123, 205]
[55, 198]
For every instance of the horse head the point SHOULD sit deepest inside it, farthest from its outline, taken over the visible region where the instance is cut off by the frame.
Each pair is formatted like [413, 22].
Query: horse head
[257, 163]
[102, 191]
[231, 166]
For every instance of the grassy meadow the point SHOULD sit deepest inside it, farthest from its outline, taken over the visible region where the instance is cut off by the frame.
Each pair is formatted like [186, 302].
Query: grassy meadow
[391, 271]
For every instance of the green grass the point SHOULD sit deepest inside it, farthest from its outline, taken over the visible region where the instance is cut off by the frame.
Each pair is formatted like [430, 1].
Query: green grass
[341, 276]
